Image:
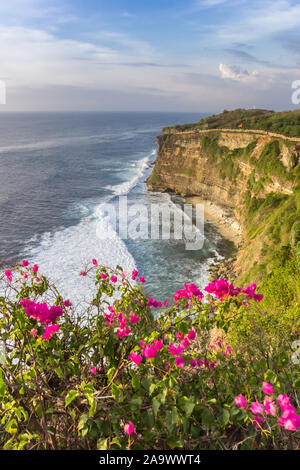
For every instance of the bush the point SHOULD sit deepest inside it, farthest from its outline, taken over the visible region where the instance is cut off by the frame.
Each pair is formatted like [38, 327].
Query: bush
[134, 372]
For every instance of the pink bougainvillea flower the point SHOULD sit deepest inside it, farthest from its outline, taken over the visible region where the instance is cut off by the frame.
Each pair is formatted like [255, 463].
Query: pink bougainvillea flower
[122, 320]
[134, 318]
[257, 408]
[189, 291]
[153, 303]
[37, 280]
[250, 292]
[267, 388]
[222, 289]
[25, 263]
[50, 330]
[35, 268]
[166, 303]
[186, 342]
[228, 350]
[113, 278]
[125, 332]
[240, 400]
[179, 362]
[270, 408]
[167, 365]
[93, 370]
[83, 273]
[149, 351]
[192, 334]
[95, 262]
[158, 344]
[67, 303]
[142, 279]
[136, 358]
[41, 311]
[33, 332]
[290, 420]
[109, 319]
[103, 276]
[179, 336]
[129, 428]
[172, 349]
[176, 350]
[283, 401]
[134, 275]
[8, 275]
[25, 276]
[193, 363]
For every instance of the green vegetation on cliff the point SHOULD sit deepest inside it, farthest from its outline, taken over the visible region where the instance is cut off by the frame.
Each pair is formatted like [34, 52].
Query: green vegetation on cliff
[285, 122]
[270, 218]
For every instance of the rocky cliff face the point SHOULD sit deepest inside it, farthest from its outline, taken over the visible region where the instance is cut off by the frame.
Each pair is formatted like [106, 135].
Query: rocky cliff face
[236, 170]
[217, 166]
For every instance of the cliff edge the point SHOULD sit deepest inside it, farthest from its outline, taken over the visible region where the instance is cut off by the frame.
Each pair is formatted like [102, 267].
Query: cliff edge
[253, 173]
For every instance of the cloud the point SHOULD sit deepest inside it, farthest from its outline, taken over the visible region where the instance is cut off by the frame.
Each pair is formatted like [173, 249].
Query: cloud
[236, 73]
[209, 3]
[245, 56]
[261, 19]
[49, 63]
[38, 60]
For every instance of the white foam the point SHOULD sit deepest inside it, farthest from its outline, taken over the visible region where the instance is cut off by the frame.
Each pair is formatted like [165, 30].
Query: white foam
[62, 255]
[124, 188]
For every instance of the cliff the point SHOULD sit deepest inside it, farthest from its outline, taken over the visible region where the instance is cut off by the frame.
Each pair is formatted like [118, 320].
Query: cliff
[255, 174]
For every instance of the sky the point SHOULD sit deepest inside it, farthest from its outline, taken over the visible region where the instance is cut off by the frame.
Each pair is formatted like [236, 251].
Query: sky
[140, 55]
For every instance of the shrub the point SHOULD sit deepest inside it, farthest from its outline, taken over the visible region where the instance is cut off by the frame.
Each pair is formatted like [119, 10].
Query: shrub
[134, 372]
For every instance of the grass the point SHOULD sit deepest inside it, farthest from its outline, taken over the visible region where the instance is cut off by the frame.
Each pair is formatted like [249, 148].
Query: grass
[285, 122]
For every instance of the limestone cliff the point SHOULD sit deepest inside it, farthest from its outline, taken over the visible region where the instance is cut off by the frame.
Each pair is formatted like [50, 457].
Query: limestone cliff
[230, 168]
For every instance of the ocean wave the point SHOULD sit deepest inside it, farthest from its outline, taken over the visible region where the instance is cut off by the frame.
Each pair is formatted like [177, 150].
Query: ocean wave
[63, 254]
[124, 188]
[72, 140]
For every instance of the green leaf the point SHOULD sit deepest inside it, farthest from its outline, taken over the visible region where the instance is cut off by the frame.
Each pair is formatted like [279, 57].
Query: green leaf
[102, 444]
[207, 418]
[11, 427]
[110, 373]
[135, 403]
[146, 383]
[135, 382]
[155, 406]
[82, 422]
[2, 385]
[174, 442]
[224, 417]
[72, 394]
[187, 404]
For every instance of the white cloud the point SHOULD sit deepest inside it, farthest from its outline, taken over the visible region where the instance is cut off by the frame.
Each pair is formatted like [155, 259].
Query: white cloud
[233, 72]
[34, 59]
[209, 3]
[261, 19]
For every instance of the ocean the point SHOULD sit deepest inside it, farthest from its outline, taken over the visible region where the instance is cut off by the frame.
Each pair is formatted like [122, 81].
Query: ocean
[57, 170]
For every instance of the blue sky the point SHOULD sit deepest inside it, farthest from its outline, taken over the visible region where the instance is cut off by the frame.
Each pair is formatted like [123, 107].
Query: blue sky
[167, 55]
